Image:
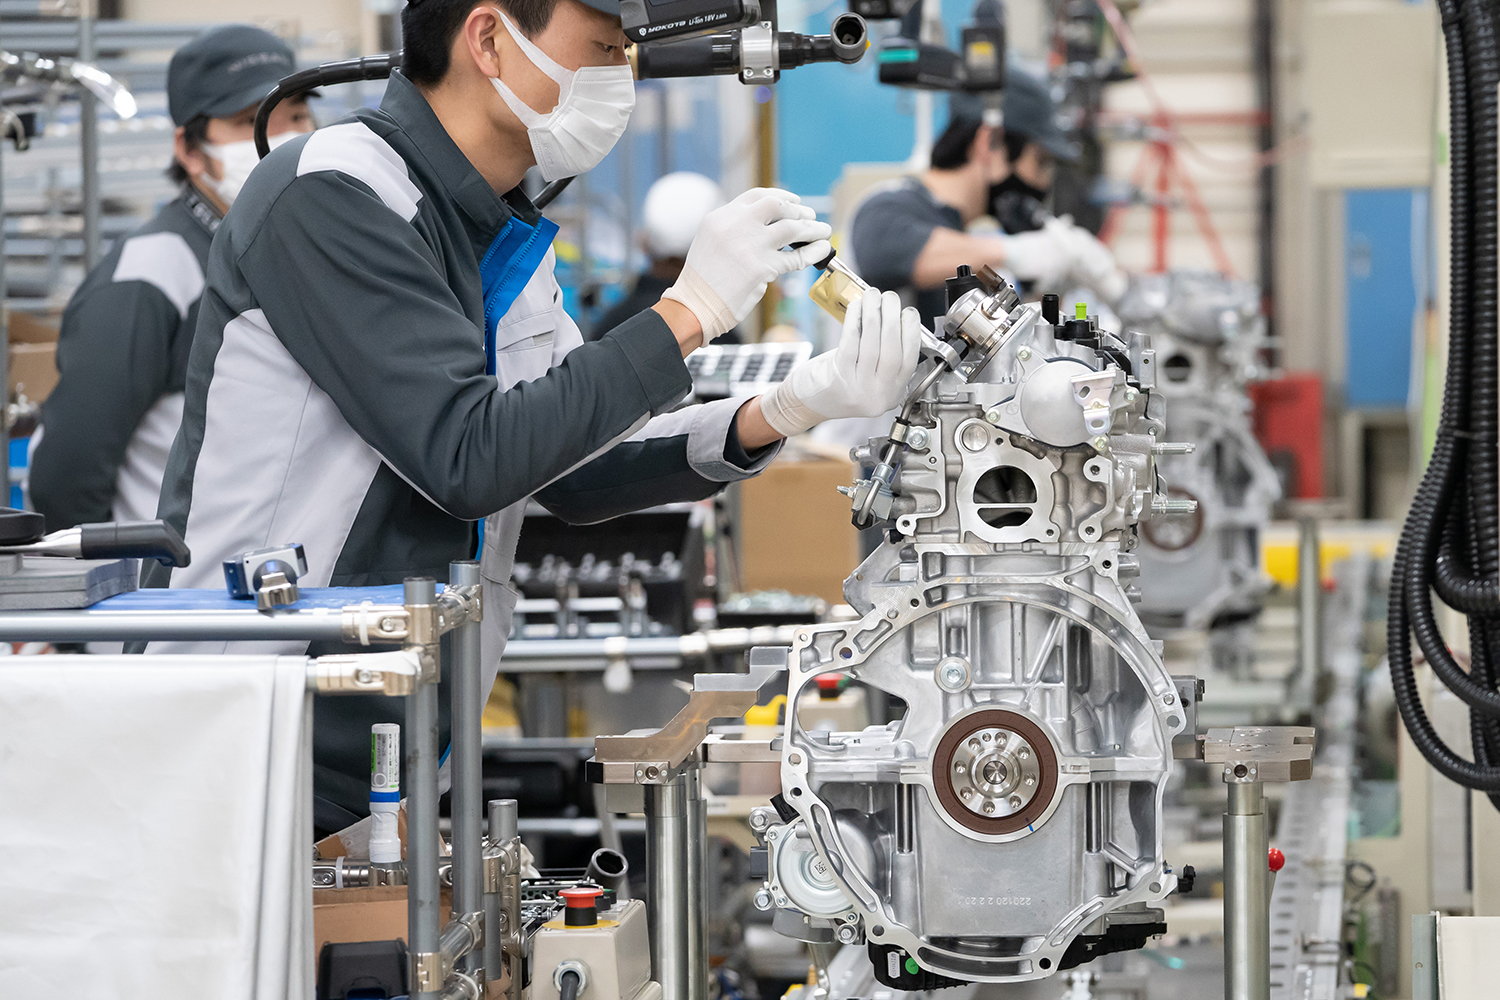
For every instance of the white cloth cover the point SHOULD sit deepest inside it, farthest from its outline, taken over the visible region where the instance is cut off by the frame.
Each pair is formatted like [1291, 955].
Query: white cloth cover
[155, 827]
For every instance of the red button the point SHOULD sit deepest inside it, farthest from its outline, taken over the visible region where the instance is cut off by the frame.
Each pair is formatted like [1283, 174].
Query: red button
[1275, 859]
[581, 898]
[829, 682]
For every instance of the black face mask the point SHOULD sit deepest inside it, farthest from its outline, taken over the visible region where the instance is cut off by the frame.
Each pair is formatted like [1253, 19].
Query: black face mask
[1017, 206]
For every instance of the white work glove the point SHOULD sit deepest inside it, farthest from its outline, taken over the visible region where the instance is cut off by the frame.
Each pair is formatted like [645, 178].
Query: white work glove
[738, 251]
[1043, 256]
[864, 376]
[1093, 266]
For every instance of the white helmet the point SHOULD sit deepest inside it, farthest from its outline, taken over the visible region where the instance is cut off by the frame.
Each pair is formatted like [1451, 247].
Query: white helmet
[675, 207]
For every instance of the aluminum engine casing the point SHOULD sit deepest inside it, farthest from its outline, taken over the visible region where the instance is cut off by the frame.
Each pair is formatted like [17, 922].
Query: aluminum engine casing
[999, 611]
[1202, 569]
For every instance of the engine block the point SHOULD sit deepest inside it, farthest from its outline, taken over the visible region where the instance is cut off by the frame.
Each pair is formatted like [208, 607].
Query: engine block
[1008, 824]
[1203, 569]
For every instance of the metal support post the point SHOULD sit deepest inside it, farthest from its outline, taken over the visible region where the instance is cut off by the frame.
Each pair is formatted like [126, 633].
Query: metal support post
[422, 917]
[675, 894]
[502, 896]
[1247, 895]
[88, 131]
[544, 705]
[468, 778]
[1309, 605]
[696, 864]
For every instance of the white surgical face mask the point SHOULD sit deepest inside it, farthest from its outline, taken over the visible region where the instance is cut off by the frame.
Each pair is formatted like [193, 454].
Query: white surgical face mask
[236, 160]
[593, 106]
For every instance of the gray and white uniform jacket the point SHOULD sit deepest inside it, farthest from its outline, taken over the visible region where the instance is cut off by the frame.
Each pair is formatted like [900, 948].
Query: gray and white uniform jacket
[122, 360]
[337, 395]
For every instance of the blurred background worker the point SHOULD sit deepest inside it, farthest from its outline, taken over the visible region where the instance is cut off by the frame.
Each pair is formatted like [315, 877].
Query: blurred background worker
[123, 349]
[675, 207]
[912, 236]
[1034, 145]
[1021, 203]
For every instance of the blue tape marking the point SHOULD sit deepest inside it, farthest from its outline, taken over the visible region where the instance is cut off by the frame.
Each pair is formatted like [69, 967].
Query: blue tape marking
[385, 796]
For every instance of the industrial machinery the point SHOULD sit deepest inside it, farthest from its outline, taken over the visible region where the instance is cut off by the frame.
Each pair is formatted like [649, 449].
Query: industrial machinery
[1007, 825]
[1202, 569]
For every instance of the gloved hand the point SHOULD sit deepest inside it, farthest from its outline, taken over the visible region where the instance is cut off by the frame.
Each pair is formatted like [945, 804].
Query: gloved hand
[1043, 256]
[864, 376]
[738, 251]
[1093, 266]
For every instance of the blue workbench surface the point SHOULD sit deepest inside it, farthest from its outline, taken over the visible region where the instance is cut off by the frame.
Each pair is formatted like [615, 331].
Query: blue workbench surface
[186, 599]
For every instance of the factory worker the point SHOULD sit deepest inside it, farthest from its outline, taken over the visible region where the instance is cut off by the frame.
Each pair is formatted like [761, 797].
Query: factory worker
[675, 207]
[911, 236]
[123, 351]
[1034, 145]
[383, 358]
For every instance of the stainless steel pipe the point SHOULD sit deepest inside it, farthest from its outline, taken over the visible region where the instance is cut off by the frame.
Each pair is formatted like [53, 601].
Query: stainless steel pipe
[88, 131]
[1247, 895]
[421, 736]
[666, 886]
[1309, 604]
[696, 872]
[468, 767]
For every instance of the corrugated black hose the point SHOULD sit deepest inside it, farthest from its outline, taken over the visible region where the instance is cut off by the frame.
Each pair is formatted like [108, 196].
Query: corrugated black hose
[1451, 538]
[350, 71]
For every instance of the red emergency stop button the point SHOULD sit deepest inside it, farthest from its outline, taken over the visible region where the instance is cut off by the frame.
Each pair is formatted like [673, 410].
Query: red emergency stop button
[581, 906]
[1275, 859]
[829, 685]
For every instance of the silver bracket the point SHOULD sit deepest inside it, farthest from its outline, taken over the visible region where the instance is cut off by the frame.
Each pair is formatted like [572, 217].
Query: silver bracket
[1092, 392]
[428, 971]
[758, 57]
[393, 673]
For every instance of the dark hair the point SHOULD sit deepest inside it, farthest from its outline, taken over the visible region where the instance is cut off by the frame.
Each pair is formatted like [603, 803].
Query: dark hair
[951, 150]
[428, 28]
[195, 134]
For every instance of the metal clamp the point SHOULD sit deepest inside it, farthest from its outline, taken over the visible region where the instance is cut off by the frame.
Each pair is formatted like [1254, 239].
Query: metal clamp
[367, 623]
[500, 861]
[428, 971]
[758, 55]
[459, 606]
[394, 673]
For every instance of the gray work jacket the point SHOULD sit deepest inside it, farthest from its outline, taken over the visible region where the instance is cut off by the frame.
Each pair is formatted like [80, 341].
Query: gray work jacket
[337, 394]
[122, 364]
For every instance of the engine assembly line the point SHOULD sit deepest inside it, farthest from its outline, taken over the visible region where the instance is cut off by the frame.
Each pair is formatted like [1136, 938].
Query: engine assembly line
[742, 500]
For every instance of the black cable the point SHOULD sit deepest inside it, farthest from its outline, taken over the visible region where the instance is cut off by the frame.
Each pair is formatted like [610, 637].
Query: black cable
[349, 71]
[1451, 539]
[551, 191]
[330, 73]
[568, 985]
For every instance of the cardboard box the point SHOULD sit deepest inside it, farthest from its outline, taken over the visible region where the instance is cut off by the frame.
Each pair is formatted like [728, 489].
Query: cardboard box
[376, 913]
[33, 357]
[795, 533]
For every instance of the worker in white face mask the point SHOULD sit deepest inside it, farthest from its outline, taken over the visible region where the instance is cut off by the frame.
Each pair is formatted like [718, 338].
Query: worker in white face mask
[384, 360]
[122, 353]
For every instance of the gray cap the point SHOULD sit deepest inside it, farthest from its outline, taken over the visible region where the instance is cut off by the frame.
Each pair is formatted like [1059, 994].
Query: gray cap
[224, 71]
[1028, 110]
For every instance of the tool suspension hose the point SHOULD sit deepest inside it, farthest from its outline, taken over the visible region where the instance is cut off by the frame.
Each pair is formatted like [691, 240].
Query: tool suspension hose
[1451, 539]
